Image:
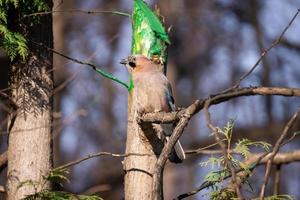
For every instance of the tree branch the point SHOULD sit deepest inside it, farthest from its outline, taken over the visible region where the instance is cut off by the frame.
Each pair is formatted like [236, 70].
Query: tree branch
[93, 66]
[113, 12]
[207, 184]
[162, 159]
[162, 117]
[224, 148]
[97, 155]
[264, 53]
[280, 158]
[255, 159]
[276, 184]
[275, 151]
[203, 150]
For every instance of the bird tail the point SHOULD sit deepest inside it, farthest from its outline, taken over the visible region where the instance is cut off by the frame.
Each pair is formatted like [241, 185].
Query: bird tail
[177, 155]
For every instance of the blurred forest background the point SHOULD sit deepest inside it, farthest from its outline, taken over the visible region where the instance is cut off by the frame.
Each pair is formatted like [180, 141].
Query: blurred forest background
[213, 43]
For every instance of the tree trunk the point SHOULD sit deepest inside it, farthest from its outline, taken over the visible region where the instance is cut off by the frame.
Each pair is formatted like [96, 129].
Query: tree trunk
[139, 168]
[30, 146]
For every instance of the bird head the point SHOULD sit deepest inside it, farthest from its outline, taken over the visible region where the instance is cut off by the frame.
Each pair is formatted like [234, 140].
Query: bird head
[136, 63]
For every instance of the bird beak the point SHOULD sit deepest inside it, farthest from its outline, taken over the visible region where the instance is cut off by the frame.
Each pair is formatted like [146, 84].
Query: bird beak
[124, 61]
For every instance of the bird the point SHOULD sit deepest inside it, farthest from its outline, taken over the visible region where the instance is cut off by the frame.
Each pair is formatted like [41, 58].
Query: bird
[152, 92]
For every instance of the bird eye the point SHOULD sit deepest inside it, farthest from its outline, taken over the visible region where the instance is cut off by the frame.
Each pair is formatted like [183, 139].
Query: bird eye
[131, 64]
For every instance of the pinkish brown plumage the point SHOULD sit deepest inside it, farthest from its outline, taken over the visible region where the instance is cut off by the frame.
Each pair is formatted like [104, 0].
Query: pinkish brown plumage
[152, 92]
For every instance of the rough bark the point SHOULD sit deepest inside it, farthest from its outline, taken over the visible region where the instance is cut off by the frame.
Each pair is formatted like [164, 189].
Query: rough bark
[29, 151]
[139, 168]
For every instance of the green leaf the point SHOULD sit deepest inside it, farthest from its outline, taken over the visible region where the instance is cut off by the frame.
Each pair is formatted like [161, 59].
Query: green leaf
[227, 130]
[212, 161]
[59, 195]
[58, 176]
[216, 176]
[14, 43]
[223, 194]
[40, 5]
[3, 15]
[21, 45]
[3, 30]
[242, 146]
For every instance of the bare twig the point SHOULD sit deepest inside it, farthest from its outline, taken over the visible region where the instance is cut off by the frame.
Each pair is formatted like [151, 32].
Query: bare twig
[274, 152]
[61, 124]
[97, 155]
[264, 53]
[66, 121]
[276, 184]
[113, 12]
[162, 117]
[97, 188]
[65, 83]
[203, 150]
[279, 159]
[94, 67]
[290, 139]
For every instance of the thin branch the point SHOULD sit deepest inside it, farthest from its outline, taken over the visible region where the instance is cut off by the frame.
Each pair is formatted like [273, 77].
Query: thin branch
[196, 107]
[290, 45]
[97, 155]
[224, 148]
[58, 127]
[254, 160]
[280, 158]
[275, 151]
[291, 138]
[276, 184]
[162, 117]
[67, 120]
[94, 67]
[65, 83]
[207, 184]
[162, 159]
[113, 12]
[203, 150]
[264, 53]
[97, 189]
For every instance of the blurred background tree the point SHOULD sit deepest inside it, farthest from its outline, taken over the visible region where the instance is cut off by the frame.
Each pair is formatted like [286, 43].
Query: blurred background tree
[212, 44]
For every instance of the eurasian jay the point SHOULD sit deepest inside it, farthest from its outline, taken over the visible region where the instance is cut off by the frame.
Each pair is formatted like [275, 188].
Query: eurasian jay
[152, 92]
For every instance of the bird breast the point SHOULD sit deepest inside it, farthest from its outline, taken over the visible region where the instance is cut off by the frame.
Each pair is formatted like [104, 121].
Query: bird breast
[149, 92]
